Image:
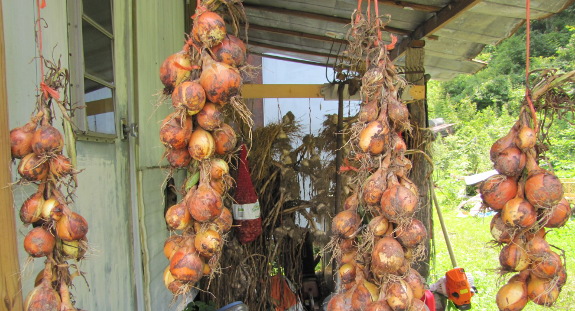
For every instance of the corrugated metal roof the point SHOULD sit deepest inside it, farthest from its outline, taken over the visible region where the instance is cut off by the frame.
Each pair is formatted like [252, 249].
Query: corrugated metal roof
[455, 31]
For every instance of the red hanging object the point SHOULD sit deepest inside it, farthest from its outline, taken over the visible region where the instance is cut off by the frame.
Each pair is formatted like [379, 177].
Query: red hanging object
[246, 210]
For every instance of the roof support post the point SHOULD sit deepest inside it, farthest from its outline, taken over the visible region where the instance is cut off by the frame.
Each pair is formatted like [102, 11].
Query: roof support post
[420, 140]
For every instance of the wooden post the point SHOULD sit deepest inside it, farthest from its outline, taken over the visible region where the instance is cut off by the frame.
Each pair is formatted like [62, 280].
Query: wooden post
[420, 140]
[10, 288]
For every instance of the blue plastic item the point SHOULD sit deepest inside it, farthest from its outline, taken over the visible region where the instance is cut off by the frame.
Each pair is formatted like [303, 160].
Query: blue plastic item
[234, 306]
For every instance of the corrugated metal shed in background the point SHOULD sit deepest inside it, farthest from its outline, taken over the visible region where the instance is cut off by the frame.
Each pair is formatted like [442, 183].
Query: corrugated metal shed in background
[455, 31]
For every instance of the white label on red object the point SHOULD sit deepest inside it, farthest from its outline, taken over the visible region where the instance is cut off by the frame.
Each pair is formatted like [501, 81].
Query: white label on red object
[246, 211]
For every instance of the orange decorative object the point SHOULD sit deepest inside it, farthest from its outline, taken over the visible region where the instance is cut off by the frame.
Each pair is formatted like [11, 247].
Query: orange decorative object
[458, 288]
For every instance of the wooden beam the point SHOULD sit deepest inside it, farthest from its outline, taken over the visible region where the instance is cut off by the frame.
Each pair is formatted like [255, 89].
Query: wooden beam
[316, 16]
[300, 61]
[442, 18]
[288, 49]
[10, 287]
[282, 90]
[410, 5]
[296, 33]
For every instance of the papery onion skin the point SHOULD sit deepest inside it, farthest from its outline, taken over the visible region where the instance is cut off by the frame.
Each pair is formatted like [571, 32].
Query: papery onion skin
[498, 190]
[21, 140]
[499, 230]
[172, 244]
[398, 202]
[543, 189]
[178, 158]
[225, 139]
[221, 82]
[204, 203]
[173, 71]
[202, 145]
[346, 224]
[512, 296]
[209, 29]
[224, 221]
[387, 256]
[379, 306]
[43, 298]
[379, 225]
[503, 143]
[231, 51]
[526, 138]
[47, 139]
[175, 132]
[547, 266]
[32, 208]
[39, 242]
[559, 215]
[398, 295]
[542, 292]
[416, 283]
[412, 234]
[208, 243]
[373, 188]
[210, 117]
[178, 217]
[33, 167]
[368, 111]
[513, 257]
[519, 213]
[60, 166]
[347, 273]
[71, 226]
[218, 168]
[374, 137]
[364, 294]
[190, 95]
[510, 162]
[340, 302]
[186, 265]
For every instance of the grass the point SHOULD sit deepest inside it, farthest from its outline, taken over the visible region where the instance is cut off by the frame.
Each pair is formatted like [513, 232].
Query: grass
[469, 237]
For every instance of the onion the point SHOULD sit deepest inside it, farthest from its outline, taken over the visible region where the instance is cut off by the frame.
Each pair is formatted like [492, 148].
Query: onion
[499, 230]
[542, 292]
[513, 257]
[175, 70]
[172, 244]
[411, 234]
[542, 188]
[374, 137]
[225, 139]
[31, 209]
[512, 296]
[186, 265]
[348, 257]
[209, 29]
[71, 226]
[204, 203]
[210, 117]
[561, 277]
[175, 132]
[33, 167]
[201, 145]
[224, 221]
[39, 242]
[51, 209]
[347, 245]
[178, 158]
[398, 144]
[387, 256]
[559, 215]
[189, 95]
[364, 294]
[398, 295]
[398, 202]
[378, 306]
[510, 162]
[368, 111]
[346, 224]
[43, 297]
[416, 283]
[379, 226]
[47, 139]
[231, 51]
[218, 168]
[418, 305]
[208, 243]
[526, 138]
[347, 273]
[67, 304]
[398, 114]
[173, 285]
[547, 266]
[219, 186]
[537, 247]
[519, 213]
[340, 302]
[497, 190]
[221, 81]
[21, 140]
[503, 142]
[73, 249]
[60, 166]
[178, 217]
[373, 187]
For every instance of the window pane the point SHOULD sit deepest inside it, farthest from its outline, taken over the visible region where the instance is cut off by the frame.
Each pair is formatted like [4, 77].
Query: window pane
[99, 101]
[97, 53]
[100, 12]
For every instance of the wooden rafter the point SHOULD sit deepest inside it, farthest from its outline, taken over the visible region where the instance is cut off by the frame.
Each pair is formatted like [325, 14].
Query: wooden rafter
[444, 16]
[296, 33]
[410, 5]
[301, 61]
[288, 49]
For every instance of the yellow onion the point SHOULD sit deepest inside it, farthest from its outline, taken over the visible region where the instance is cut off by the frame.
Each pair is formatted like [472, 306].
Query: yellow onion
[67, 304]
[209, 29]
[346, 224]
[519, 213]
[224, 221]
[547, 265]
[398, 202]
[172, 244]
[21, 140]
[178, 217]
[204, 203]
[411, 234]
[373, 187]
[542, 189]
[51, 209]
[31, 209]
[189, 95]
[499, 230]
[542, 292]
[225, 139]
[559, 215]
[380, 305]
[340, 302]
[526, 138]
[218, 168]
[178, 158]
[351, 202]
[537, 247]
[208, 243]
[498, 190]
[398, 295]
[210, 117]
[39, 242]
[503, 142]
[416, 283]
[374, 137]
[175, 286]
[219, 186]
[175, 132]
[186, 265]
[231, 51]
[398, 114]
[71, 226]
[368, 111]
[418, 305]
[364, 294]
[347, 245]
[174, 70]
[73, 249]
[47, 139]
[202, 144]
[33, 167]
[61, 166]
[379, 225]
[221, 81]
[510, 162]
[387, 256]
[512, 296]
[43, 297]
[348, 257]
[347, 273]
[513, 257]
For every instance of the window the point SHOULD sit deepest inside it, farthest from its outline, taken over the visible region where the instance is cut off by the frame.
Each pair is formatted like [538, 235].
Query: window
[92, 66]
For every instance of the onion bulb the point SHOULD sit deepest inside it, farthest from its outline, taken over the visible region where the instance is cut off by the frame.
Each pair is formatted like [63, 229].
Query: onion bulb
[178, 217]
[346, 224]
[221, 81]
[209, 29]
[210, 117]
[547, 265]
[173, 285]
[208, 243]
[21, 140]
[231, 51]
[33, 167]
[542, 189]
[387, 256]
[73, 249]
[51, 209]
[513, 257]
[503, 143]
[498, 190]
[380, 305]
[542, 292]
[416, 283]
[526, 138]
[189, 95]
[71, 226]
[398, 295]
[368, 111]
[364, 293]
[204, 203]
[218, 168]
[499, 230]
[39, 242]
[512, 296]
[175, 132]
[374, 137]
[47, 139]
[172, 244]
[379, 225]
[559, 215]
[186, 265]
[202, 144]
[31, 209]
[60, 166]
[373, 187]
[340, 302]
[225, 139]
[43, 297]
[411, 234]
[178, 158]
[224, 221]
[398, 202]
[347, 273]
[519, 213]
[510, 162]
[174, 70]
